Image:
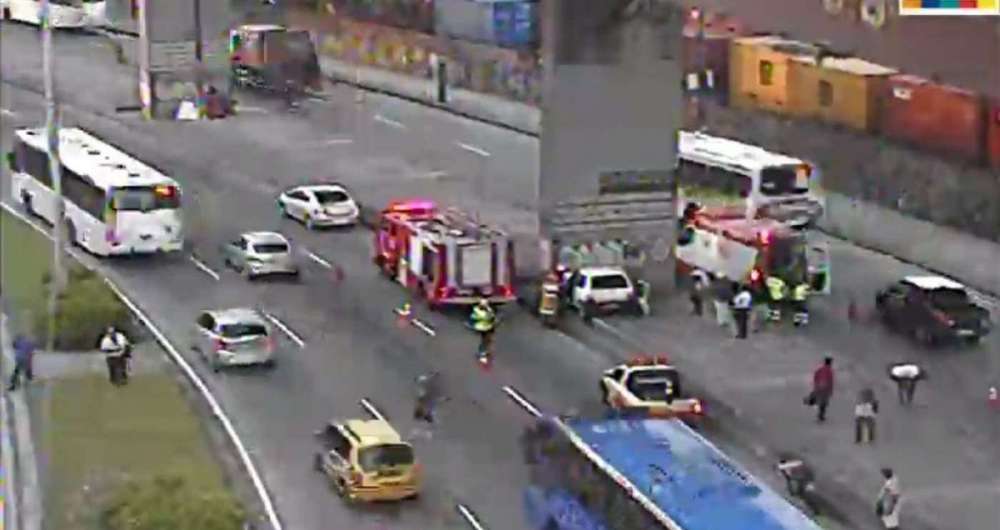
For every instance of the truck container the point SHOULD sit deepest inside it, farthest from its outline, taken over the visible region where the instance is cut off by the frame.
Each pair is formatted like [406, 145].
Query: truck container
[759, 71]
[840, 90]
[935, 117]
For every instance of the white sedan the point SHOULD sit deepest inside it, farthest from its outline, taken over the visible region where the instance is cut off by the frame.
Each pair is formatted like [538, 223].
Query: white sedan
[319, 205]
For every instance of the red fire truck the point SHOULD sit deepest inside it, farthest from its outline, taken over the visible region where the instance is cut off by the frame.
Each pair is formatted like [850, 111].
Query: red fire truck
[726, 244]
[445, 256]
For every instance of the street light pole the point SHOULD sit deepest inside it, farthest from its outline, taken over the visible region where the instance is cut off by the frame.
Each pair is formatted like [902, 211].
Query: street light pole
[57, 281]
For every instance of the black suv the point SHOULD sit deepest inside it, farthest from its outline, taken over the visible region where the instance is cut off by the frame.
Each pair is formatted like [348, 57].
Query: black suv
[932, 309]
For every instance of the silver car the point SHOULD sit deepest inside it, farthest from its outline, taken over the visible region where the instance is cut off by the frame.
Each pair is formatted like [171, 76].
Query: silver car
[256, 254]
[233, 337]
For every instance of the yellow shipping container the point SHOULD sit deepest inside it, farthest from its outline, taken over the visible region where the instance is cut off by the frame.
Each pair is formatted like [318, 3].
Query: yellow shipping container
[845, 91]
[759, 71]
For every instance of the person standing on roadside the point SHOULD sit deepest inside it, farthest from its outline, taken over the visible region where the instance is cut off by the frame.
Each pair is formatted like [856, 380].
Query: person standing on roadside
[889, 500]
[24, 355]
[742, 304]
[906, 376]
[115, 347]
[864, 416]
[822, 389]
[722, 293]
[699, 287]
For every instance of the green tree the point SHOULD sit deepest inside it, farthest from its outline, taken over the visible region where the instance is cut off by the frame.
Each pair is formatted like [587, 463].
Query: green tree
[169, 503]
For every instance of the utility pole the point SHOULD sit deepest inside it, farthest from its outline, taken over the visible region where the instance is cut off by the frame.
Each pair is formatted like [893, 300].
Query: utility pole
[55, 169]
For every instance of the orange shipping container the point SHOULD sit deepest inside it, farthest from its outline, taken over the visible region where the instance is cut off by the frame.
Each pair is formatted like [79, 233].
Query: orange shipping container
[939, 118]
[993, 135]
[845, 91]
[758, 71]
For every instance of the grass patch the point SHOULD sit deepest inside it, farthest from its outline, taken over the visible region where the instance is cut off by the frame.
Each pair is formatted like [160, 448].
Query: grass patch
[98, 437]
[85, 307]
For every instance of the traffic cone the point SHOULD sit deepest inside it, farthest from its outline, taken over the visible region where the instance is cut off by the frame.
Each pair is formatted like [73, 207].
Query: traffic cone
[993, 398]
[403, 313]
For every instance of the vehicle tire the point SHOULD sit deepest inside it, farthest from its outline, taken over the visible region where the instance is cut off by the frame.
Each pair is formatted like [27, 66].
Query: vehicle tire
[283, 210]
[6, 14]
[214, 363]
[246, 274]
[29, 208]
[340, 487]
[269, 364]
[604, 394]
[70, 233]
[972, 341]
[318, 462]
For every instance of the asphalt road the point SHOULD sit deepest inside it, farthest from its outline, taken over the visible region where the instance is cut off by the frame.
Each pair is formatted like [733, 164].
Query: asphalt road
[232, 170]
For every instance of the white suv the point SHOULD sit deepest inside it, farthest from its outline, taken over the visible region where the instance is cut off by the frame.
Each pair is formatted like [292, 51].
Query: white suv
[593, 289]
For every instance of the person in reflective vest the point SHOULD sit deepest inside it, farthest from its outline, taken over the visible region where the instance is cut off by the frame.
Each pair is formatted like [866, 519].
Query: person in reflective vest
[483, 322]
[776, 288]
[799, 296]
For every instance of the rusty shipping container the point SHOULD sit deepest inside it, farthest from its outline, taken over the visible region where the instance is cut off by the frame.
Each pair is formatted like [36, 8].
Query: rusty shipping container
[840, 90]
[758, 71]
[705, 55]
[936, 117]
[993, 134]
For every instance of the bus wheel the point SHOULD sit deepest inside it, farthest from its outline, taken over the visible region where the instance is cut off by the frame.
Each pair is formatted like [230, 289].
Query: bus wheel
[6, 14]
[70, 232]
[28, 207]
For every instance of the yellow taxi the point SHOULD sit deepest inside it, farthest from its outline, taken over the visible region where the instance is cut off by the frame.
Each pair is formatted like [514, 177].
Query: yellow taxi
[651, 384]
[367, 460]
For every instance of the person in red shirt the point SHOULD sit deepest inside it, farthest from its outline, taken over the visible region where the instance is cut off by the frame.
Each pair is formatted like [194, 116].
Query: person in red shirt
[822, 389]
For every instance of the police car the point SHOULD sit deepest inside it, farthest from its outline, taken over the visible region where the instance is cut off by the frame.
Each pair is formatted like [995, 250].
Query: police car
[649, 383]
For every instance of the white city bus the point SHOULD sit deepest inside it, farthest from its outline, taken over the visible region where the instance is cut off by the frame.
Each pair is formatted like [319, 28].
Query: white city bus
[114, 204]
[63, 14]
[717, 171]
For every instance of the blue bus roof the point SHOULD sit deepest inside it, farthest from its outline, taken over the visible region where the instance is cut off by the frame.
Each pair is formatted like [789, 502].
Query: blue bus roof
[689, 479]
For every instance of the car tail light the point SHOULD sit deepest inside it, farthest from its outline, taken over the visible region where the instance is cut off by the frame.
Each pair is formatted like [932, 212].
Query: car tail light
[219, 345]
[446, 292]
[755, 275]
[698, 408]
[943, 318]
[505, 291]
[269, 343]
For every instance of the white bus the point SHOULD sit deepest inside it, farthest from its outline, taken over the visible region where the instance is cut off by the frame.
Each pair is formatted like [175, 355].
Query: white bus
[114, 204]
[717, 171]
[63, 14]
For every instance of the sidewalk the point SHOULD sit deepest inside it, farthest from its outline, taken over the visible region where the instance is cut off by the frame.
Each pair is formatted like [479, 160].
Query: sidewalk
[20, 477]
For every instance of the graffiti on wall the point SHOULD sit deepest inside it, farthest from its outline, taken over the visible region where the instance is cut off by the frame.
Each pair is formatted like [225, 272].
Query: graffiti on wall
[635, 252]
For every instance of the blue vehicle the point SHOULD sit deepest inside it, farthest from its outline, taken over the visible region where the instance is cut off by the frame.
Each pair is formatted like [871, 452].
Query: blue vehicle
[643, 474]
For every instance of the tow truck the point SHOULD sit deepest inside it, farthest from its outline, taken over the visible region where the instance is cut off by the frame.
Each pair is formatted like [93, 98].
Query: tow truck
[725, 244]
[447, 257]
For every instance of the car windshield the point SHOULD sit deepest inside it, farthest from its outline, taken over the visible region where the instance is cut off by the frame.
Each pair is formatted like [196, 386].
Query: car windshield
[146, 198]
[654, 385]
[271, 248]
[783, 180]
[330, 196]
[240, 330]
[611, 281]
[387, 455]
[949, 298]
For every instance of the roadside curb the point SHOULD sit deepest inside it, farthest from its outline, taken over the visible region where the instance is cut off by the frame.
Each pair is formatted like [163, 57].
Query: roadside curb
[24, 511]
[250, 468]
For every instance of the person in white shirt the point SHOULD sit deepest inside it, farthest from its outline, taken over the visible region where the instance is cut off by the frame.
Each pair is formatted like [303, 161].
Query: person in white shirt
[742, 303]
[864, 416]
[906, 376]
[889, 500]
[115, 347]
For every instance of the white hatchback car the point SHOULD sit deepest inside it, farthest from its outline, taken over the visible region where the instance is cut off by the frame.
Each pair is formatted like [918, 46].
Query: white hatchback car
[603, 289]
[319, 205]
[233, 337]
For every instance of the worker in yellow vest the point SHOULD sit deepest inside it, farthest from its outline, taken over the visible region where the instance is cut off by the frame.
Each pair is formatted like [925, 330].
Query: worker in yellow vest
[799, 296]
[776, 290]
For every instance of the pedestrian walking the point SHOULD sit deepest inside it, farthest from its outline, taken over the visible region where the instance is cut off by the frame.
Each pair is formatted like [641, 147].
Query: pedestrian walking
[906, 376]
[723, 291]
[864, 416]
[742, 304]
[116, 349]
[889, 500]
[428, 394]
[24, 354]
[822, 389]
[699, 287]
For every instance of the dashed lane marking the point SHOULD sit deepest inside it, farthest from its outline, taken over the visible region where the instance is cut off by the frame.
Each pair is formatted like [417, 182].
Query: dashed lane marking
[286, 330]
[473, 149]
[390, 122]
[424, 327]
[204, 268]
[252, 110]
[339, 141]
[368, 406]
[522, 401]
[8, 112]
[319, 259]
[437, 174]
[470, 517]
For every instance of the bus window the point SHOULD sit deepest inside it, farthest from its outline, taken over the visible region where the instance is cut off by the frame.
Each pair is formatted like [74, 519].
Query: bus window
[85, 195]
[782, 180]
[33, 162]
[146, 198]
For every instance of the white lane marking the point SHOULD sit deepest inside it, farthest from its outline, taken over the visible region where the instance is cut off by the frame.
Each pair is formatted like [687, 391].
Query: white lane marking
[437, 174]
[319, 259]
[391, 123]
[213, 404]
[254, 110]
[339, 141]
[424, 327]
[473, 149]
[371, 409]
[8, 112]
[470, 517]
[286, 330]
[522, 401]
[204, 268]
